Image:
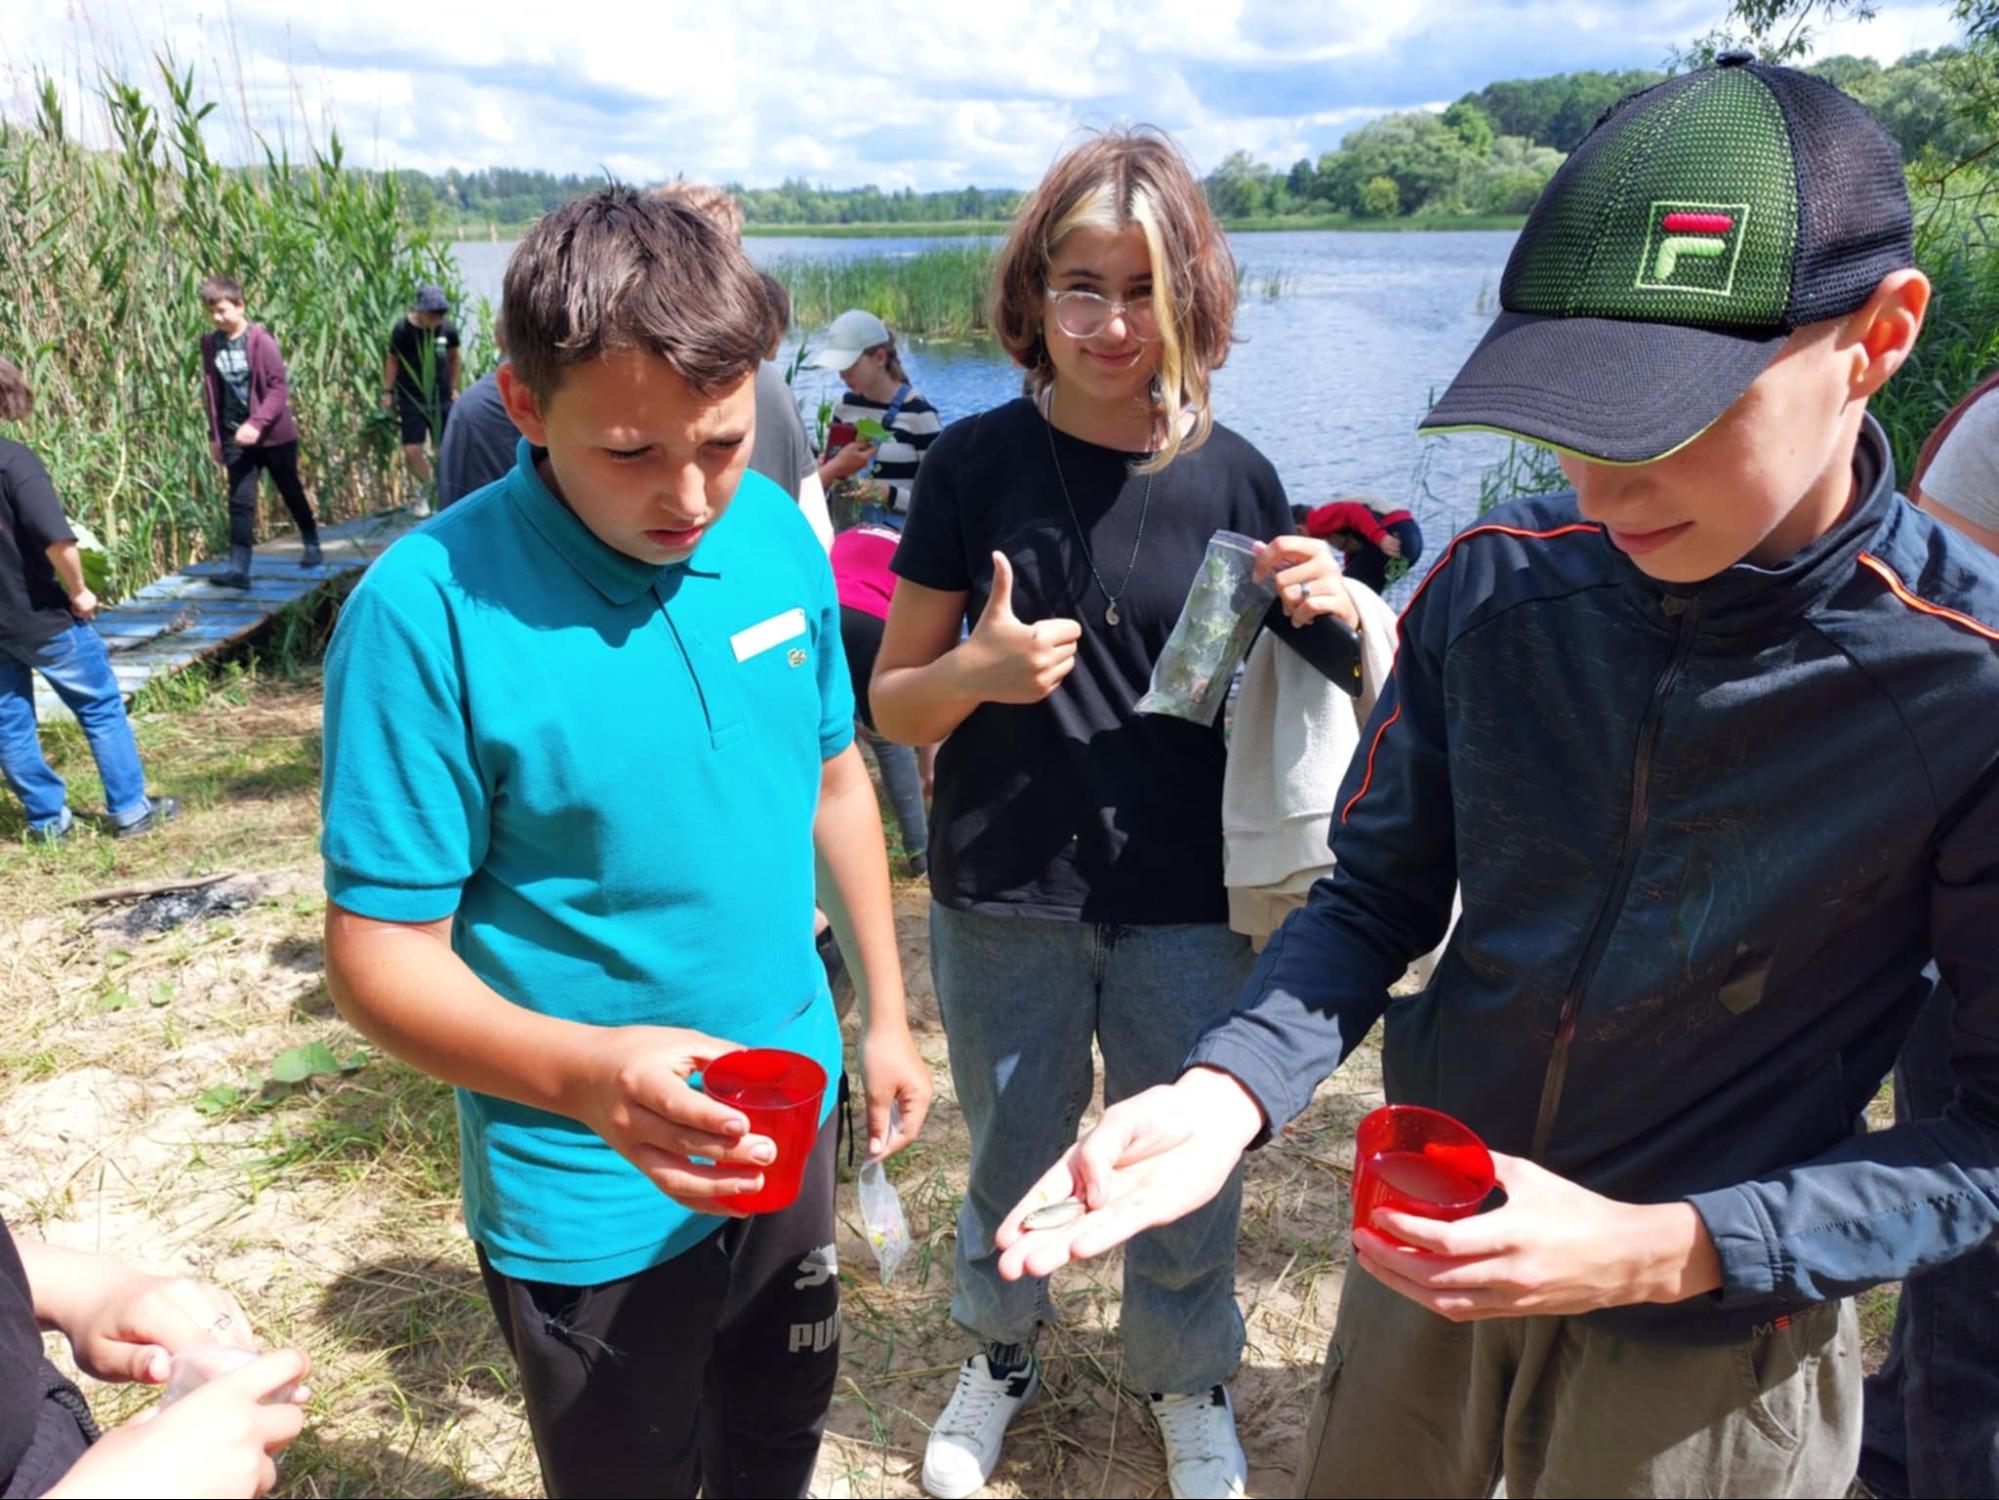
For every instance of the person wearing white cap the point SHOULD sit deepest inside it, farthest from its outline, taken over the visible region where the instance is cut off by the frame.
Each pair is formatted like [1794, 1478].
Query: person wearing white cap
[861, 348]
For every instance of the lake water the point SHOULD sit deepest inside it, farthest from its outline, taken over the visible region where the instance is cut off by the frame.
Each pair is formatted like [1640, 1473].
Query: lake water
[1329, 377]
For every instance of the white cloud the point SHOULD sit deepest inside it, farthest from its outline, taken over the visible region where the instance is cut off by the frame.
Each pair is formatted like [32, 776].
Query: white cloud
[899, 92]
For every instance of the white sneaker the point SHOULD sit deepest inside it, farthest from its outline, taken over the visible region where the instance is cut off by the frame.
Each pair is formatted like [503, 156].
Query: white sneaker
[1203, 1458]
[965, 1443]
[420, 506]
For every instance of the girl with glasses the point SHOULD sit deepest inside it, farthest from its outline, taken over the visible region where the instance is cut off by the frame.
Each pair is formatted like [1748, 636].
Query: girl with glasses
[1076, 846]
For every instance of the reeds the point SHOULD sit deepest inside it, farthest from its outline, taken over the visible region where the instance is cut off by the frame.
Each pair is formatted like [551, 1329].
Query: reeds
[938, 293]
[101, 252]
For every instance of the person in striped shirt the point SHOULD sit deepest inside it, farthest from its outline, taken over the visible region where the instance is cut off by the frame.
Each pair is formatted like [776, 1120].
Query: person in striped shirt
[860, 346]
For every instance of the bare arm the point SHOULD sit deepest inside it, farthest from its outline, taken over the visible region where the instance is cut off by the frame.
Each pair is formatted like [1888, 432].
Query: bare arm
[457, 363]
[854, 887]
[68, 563]
[1985, 536]
[927, 682]
[920, 691]
[402, 986]
[391, 367]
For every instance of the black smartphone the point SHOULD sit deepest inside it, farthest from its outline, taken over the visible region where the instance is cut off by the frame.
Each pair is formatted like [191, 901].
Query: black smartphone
[1326, 643]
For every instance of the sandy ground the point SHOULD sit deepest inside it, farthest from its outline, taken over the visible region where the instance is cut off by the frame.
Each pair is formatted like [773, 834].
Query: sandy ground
[142, 1118]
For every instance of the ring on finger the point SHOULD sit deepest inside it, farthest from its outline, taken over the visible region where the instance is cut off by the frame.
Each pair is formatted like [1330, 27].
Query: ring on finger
[1305, 589]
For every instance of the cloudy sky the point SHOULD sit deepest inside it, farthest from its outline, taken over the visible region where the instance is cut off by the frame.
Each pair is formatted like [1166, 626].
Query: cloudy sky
[924, 93]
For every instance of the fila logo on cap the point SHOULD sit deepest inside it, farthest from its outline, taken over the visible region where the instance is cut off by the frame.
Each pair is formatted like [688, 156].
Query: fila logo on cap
[1692, 247]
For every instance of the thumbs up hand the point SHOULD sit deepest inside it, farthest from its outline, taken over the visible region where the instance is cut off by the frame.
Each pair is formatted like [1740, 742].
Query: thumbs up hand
[1011, 661]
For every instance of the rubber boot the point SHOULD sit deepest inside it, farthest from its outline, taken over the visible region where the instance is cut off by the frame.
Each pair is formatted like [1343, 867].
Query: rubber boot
[238, 576]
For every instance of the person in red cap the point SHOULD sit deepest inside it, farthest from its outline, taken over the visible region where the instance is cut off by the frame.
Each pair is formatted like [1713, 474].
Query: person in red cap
[1692, 743]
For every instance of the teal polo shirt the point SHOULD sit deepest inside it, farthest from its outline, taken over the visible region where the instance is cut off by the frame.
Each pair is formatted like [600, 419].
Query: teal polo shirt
[609, 771]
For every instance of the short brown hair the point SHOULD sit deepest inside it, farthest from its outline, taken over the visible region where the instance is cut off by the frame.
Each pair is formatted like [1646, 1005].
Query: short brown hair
[623, 270]
[780, 306]
[220, 288]
[718, 206]
[16, 400]
[1114, 179]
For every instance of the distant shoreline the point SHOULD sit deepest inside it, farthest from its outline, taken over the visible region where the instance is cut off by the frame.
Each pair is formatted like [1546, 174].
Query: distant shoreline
[993, 228]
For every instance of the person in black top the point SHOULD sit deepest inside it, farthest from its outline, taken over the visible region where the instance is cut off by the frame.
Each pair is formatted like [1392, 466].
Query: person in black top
[1076, 845]
[44, 627]
[419, 379]
[221, 1438]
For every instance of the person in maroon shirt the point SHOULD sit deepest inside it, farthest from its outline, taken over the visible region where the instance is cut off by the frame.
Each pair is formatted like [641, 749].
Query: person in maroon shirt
[250, 425]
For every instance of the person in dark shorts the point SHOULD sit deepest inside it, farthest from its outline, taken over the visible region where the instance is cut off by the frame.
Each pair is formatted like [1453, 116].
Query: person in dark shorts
[251, 430]
[861, 573]
[419, 379]
[589, 741]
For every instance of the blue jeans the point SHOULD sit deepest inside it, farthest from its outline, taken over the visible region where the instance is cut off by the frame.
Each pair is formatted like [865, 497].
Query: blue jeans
[75, 664]
[902, 779]
[1930, 1425]
[1022, 997]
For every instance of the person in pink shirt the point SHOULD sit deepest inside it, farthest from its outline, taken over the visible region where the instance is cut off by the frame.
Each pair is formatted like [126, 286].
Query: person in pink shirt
[861, 577]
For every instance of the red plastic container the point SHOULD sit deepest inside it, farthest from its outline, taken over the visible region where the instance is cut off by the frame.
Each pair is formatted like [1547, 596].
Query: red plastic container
[780, 1092]
[1418, 1161]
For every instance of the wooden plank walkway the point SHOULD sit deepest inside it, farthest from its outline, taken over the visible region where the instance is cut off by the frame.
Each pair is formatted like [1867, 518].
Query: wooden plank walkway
[182, 618]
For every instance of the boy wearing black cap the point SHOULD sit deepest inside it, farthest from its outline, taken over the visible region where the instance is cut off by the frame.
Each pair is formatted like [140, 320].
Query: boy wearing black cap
[1692, 742]
[419, 379]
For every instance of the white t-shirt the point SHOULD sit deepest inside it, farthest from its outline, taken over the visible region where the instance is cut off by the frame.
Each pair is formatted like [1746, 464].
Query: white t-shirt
[1964, 475]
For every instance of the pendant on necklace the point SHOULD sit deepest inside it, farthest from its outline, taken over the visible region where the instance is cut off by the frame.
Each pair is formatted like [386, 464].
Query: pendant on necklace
[1110, 613]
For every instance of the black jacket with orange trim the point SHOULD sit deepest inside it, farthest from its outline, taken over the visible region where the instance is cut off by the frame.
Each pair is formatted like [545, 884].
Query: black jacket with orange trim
[1708, 838]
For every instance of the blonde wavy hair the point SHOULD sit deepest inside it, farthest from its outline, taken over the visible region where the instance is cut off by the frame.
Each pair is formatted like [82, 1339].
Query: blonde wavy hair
[1111, 181]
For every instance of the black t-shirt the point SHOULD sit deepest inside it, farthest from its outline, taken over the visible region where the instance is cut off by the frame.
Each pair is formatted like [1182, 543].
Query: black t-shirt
[423, 360]
[232, 367]
[1076, 806]
[33, 606]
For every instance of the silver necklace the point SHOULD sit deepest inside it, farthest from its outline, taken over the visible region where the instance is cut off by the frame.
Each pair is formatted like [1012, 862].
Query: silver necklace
[1111, 616]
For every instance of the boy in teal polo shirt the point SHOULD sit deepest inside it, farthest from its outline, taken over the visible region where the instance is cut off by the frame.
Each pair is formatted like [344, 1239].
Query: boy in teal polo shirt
[585, 733]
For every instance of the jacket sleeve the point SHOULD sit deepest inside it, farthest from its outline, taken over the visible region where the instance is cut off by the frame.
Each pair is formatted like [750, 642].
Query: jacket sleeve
[1894, 1202]
[1323, 981]
[273, 387]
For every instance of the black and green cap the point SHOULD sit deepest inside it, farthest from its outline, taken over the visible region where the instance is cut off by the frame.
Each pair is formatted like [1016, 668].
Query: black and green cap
[1664, 265]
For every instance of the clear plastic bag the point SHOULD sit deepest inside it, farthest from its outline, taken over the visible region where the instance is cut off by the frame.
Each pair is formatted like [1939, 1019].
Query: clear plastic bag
[1209, 640]
[881, 1212]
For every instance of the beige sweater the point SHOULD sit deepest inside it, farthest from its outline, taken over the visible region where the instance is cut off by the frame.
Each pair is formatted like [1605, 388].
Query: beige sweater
[1292, 736]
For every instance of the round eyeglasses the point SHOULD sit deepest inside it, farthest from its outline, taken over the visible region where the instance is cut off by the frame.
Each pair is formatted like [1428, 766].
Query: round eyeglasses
[1084, 315]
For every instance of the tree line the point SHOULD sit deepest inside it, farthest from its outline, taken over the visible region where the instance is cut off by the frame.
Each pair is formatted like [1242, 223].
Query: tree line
[516, 196]
[1491, 152]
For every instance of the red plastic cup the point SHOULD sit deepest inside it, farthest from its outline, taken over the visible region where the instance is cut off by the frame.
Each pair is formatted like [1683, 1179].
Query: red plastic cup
[780, 1092]
[1418, 1161]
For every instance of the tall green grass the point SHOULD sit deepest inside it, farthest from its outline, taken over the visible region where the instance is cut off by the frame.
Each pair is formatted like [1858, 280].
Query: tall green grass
[1959, 249]
[102, 248]
[938, 293]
